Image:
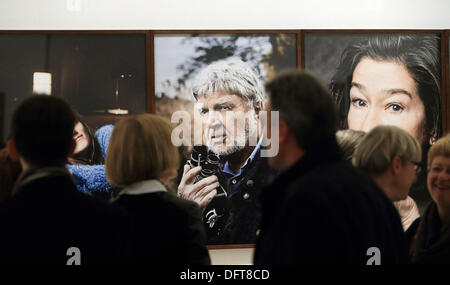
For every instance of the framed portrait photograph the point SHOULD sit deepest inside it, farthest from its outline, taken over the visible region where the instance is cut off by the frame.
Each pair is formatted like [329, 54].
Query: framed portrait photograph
[383, 78]
[207, 75]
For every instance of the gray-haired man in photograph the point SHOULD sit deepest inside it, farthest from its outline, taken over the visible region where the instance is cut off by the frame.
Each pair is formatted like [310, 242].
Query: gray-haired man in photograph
[229, 98]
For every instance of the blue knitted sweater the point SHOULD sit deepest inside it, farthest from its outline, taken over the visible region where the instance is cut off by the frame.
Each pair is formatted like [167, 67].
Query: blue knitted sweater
[92, 178]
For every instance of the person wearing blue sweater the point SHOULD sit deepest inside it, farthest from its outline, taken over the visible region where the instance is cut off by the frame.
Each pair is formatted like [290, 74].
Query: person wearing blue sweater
[87, 163]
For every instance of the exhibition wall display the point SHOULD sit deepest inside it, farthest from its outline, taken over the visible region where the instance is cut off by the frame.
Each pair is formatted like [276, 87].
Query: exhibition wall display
[398, 77]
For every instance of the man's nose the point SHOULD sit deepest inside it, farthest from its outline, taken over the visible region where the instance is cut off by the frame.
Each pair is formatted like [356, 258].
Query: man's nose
[214, 119]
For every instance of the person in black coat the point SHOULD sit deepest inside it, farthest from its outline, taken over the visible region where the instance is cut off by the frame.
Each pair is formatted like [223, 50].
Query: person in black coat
[166, 229]
[47, 220]
[320, 210]
[429, 236]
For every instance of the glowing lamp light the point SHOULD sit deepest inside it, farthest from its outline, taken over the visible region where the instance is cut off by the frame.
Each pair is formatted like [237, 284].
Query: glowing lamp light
[118, 111]
[42, 83]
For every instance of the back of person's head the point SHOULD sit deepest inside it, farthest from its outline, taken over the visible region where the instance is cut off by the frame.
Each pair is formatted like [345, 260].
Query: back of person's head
[41, 129]
[348, 140]
[440, 148]
[140, 148]
[377, 149]
[305, 105]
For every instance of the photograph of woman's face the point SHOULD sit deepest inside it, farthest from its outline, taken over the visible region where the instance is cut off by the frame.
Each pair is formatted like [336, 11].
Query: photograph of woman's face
[385, 93]
[81, 138]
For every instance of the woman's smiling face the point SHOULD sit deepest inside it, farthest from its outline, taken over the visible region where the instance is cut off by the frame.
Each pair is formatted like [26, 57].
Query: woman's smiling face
[81, 138]
[384, 93]
[438, 180]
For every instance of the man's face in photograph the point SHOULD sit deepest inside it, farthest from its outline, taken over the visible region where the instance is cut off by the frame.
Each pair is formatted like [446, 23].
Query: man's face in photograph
[228, 122]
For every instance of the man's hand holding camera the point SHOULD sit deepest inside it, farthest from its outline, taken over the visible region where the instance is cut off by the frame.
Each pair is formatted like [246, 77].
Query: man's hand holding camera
[201, 192]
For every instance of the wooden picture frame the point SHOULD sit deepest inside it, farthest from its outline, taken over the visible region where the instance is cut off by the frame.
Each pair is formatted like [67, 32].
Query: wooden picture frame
[188, 52]
[366, 72]
[302, 48]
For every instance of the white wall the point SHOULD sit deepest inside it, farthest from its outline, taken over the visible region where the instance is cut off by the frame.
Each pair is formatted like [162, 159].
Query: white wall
[224, 14]
[234, 256]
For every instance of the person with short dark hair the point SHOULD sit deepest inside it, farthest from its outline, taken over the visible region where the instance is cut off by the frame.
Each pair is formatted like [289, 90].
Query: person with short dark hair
[320, 210]
[47, 220]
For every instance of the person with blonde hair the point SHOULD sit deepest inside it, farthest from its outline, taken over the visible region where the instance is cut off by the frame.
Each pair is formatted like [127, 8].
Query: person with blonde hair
[391, 157]
[429, 236]
[141, 159]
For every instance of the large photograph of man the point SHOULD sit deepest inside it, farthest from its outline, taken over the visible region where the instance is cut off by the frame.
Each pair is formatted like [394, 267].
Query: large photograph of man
[230, 98]
[383, 79]
[224, 89]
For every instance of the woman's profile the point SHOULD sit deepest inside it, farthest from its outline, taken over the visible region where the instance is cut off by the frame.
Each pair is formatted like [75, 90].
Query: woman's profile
[141, 159]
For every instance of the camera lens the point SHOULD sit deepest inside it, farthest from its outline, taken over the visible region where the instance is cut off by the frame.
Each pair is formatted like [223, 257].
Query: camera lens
[198, 154]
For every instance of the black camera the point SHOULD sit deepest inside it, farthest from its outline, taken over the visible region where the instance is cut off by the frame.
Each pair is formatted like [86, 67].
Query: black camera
[216, 211]
[208, 161]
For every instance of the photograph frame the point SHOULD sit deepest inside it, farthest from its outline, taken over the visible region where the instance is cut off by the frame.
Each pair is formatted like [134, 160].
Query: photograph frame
[150, 106]
[426, 127]
[444, 57]
[156, 33]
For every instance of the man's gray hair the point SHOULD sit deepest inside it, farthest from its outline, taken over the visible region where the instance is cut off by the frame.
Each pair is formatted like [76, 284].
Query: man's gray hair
[230, 76]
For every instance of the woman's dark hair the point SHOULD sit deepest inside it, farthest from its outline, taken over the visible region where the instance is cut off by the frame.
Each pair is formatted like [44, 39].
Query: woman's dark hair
[418, 53]
[92, 154]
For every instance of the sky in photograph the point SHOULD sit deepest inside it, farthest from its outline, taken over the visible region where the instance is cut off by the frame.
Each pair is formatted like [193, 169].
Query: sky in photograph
[171, 51]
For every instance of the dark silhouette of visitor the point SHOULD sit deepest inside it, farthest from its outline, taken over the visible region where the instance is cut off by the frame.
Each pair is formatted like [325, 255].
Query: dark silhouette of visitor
[47, 220]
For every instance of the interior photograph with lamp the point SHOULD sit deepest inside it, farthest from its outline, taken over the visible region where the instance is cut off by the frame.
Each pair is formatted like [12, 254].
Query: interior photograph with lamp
[166, 153]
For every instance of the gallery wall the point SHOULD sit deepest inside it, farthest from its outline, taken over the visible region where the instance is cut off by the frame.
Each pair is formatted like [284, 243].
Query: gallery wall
[228, 15]
[220, 14]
